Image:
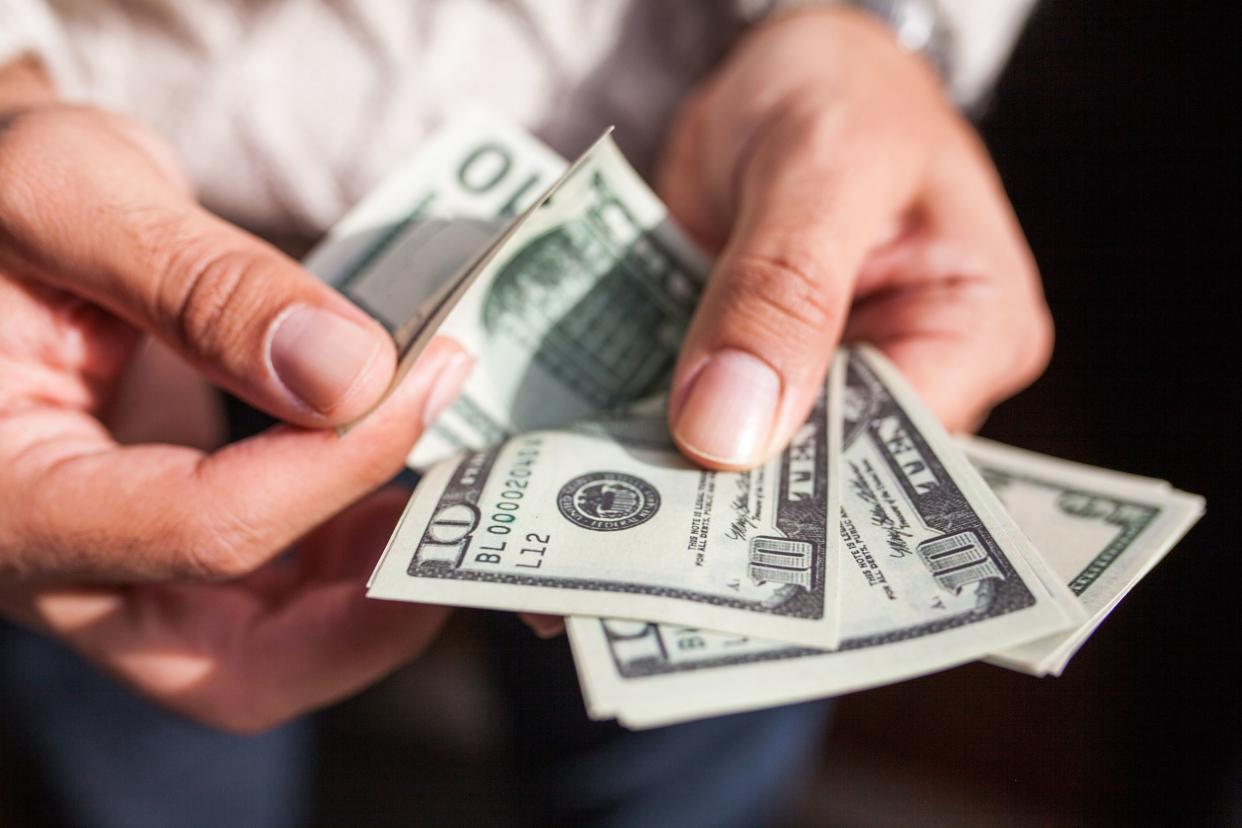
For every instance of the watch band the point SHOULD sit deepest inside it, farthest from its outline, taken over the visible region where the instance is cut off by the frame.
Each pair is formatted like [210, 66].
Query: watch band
[920, 26]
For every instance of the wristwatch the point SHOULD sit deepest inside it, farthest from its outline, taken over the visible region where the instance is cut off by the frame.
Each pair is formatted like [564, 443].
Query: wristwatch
[920, 26]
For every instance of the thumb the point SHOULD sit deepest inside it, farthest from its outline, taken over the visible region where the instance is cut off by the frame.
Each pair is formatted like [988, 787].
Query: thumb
[761, 340]
[94, 211]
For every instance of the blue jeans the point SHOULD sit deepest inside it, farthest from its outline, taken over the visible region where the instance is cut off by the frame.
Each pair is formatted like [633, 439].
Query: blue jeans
[111, 760]
[734, 770]
[108, 759]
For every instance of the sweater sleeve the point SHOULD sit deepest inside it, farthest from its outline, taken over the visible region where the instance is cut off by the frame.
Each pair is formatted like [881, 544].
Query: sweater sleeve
[984, 36]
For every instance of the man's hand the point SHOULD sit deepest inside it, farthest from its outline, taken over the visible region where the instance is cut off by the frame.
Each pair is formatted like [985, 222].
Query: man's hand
[100, 242]
[847, 200]
[252, 652]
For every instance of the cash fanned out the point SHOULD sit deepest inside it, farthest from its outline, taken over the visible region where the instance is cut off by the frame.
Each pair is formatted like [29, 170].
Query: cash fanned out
[874, 548]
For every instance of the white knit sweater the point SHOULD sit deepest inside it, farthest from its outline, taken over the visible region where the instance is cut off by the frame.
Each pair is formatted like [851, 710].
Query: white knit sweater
[287, 111]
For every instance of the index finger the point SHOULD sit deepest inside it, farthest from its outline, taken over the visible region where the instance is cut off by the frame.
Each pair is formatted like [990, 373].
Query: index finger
[810, 206]
[85, 508]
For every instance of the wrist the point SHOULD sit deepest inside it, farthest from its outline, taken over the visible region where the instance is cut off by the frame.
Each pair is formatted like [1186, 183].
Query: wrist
[846, 50]
[918, 26]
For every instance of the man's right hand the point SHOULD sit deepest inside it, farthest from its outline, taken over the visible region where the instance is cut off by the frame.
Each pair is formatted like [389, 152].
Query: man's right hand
[101, 241]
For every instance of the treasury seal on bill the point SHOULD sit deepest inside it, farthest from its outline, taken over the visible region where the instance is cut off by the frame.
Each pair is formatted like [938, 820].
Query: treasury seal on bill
[607, 501]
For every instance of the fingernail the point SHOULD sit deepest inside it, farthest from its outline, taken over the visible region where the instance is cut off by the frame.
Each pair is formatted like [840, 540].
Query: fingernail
[729, 408]
[320, 356]
[447, 385]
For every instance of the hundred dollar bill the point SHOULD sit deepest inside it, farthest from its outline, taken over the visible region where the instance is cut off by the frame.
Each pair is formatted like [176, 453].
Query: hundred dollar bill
[1101, 531]
[607, 517]
[572, 302]
[934, 574]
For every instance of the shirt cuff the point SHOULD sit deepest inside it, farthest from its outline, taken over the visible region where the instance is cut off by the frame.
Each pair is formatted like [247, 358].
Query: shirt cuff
[984, 37]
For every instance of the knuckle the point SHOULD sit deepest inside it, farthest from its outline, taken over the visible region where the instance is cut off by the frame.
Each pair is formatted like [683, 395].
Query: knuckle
[22, 166]
[208, 291]
[817, 126]
[785, 294]
[821, 129]
[15, 136]
[208, 560]
[26, 131]
[805, 127]
[222, 551]
[38, 146]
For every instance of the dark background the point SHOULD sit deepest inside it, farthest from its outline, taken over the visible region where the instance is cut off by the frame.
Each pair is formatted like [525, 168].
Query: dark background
[1115, 130]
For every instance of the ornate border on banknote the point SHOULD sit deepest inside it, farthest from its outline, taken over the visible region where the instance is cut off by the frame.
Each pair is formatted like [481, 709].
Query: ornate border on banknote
[966, 552]
[1130, 516]
[802, 517]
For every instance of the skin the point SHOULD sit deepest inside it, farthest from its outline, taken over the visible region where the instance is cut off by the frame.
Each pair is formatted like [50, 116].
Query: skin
[157, 561]
[845, 198]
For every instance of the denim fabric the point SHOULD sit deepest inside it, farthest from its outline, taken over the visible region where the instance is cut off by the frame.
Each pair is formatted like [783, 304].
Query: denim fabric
[108, 759]
[112, 760]
[740, 770]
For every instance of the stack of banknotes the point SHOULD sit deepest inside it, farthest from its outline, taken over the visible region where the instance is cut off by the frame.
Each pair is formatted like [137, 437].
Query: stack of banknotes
[875, 548]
